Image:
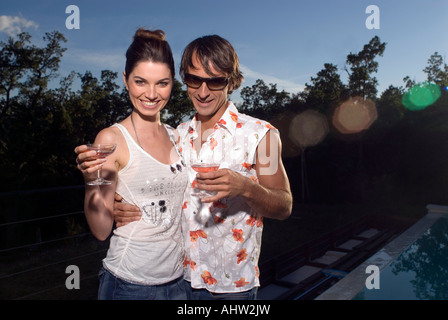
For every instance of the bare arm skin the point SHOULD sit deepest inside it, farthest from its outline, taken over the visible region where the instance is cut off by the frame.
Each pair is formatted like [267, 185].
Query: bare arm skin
[271, 196]
[98, 200]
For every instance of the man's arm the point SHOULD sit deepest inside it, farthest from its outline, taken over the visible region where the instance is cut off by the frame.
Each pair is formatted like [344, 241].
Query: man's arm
[270, 196]
[124, 213]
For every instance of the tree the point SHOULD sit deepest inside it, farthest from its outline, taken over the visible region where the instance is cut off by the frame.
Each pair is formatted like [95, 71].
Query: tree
[97, 105]
[27, 107]
[43, 65]
[437, 70]
[263, 101]
[362, 65]
[14, 61]
[179, 108]
[325, 89]
[390, 107]
[408, 82]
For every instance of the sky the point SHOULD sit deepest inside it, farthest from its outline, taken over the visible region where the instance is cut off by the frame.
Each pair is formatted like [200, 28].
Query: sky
[284, 42]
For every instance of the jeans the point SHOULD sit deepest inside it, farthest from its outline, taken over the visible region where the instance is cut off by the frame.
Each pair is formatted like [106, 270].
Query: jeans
[204, 294]
[113, 288]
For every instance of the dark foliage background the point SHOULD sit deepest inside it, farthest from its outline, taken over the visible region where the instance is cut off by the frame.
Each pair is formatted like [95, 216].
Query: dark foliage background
[401, 157]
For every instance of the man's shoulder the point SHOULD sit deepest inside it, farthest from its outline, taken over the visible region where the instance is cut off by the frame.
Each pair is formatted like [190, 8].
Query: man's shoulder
[255, 122]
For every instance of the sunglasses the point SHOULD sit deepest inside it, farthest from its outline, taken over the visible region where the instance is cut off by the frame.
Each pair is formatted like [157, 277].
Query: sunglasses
[196, 82]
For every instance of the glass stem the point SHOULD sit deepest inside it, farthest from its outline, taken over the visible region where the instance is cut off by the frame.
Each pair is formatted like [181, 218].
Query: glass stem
[99, 173]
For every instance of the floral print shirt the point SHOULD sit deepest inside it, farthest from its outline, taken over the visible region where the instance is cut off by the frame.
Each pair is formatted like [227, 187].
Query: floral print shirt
[223, 238]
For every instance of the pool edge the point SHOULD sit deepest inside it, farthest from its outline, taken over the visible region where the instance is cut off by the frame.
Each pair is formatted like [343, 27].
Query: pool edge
[348, 287]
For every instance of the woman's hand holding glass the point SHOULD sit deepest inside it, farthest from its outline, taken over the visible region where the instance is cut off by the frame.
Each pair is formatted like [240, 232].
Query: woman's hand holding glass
[90, 159]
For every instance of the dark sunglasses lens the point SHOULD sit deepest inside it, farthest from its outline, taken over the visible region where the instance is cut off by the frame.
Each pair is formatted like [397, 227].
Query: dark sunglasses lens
[217, 83]
[212, 83]
[192, 81]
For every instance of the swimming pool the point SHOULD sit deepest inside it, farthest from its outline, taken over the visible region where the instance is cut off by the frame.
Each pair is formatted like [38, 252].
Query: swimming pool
[414, 266]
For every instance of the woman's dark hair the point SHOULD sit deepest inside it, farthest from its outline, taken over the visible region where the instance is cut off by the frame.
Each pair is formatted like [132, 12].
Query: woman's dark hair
[216, 51]
[149, 45]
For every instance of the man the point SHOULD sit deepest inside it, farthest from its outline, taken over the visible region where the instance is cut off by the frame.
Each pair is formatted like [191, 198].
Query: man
[223, 231]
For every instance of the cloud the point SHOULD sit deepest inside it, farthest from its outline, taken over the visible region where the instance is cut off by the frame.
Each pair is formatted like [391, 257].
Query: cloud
[282, 84]
[93, 61]
[14, 25]
[104, 60]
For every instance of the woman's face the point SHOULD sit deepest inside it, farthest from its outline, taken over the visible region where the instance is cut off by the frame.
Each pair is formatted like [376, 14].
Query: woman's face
[149, 86]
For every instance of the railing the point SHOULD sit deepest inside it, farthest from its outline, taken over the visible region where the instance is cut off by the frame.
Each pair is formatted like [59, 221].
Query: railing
[53, 256]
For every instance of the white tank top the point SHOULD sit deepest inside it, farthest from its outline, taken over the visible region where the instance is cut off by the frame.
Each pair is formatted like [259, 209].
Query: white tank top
[149, 251]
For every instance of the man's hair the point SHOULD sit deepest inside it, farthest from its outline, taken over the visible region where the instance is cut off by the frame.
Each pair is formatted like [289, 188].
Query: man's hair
[217, 52]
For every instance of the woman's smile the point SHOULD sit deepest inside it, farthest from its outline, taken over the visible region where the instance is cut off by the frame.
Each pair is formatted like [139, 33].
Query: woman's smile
[149, 104]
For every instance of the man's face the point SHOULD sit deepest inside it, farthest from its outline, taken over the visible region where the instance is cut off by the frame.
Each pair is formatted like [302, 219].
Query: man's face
[209, 104]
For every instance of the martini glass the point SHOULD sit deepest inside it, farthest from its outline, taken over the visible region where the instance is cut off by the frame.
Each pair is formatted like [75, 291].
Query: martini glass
[102, 151]
[202, 167]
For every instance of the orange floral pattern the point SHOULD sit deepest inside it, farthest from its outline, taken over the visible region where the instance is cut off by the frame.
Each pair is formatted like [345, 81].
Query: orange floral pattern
[208, 279]
[241, 283]
[252, 221]
[223, 238]
[219, 220]
[234, 116]
[195, 235]
[238, 235]
[246, 165]
[242, 255]
[213, 143]
[189, 263]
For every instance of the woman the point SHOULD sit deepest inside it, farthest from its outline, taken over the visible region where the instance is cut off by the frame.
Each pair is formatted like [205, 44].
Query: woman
[145, 257]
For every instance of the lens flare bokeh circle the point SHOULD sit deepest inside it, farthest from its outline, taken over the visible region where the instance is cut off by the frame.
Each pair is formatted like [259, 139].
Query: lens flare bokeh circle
[354, 115]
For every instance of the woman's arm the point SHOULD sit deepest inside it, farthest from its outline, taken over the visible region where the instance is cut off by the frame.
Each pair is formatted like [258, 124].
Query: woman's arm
[98, 200]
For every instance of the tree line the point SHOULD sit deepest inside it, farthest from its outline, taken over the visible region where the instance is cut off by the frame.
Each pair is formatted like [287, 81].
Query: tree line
[40, 126]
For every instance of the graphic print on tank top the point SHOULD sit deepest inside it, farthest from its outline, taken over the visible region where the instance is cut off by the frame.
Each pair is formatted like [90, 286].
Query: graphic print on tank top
[156, 188]
[163, 204]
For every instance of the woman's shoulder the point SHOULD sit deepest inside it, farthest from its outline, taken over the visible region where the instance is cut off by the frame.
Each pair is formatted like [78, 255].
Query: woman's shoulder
[113, 135]
[109, 135]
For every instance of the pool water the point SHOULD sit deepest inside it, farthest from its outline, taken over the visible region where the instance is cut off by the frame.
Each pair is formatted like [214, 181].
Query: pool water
[419, 273]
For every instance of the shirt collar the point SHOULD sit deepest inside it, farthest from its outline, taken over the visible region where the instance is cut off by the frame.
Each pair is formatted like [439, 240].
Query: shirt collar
[229, 121]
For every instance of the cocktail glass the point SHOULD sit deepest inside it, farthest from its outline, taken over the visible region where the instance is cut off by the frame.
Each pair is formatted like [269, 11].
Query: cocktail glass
[102, 151]
[202, 167]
